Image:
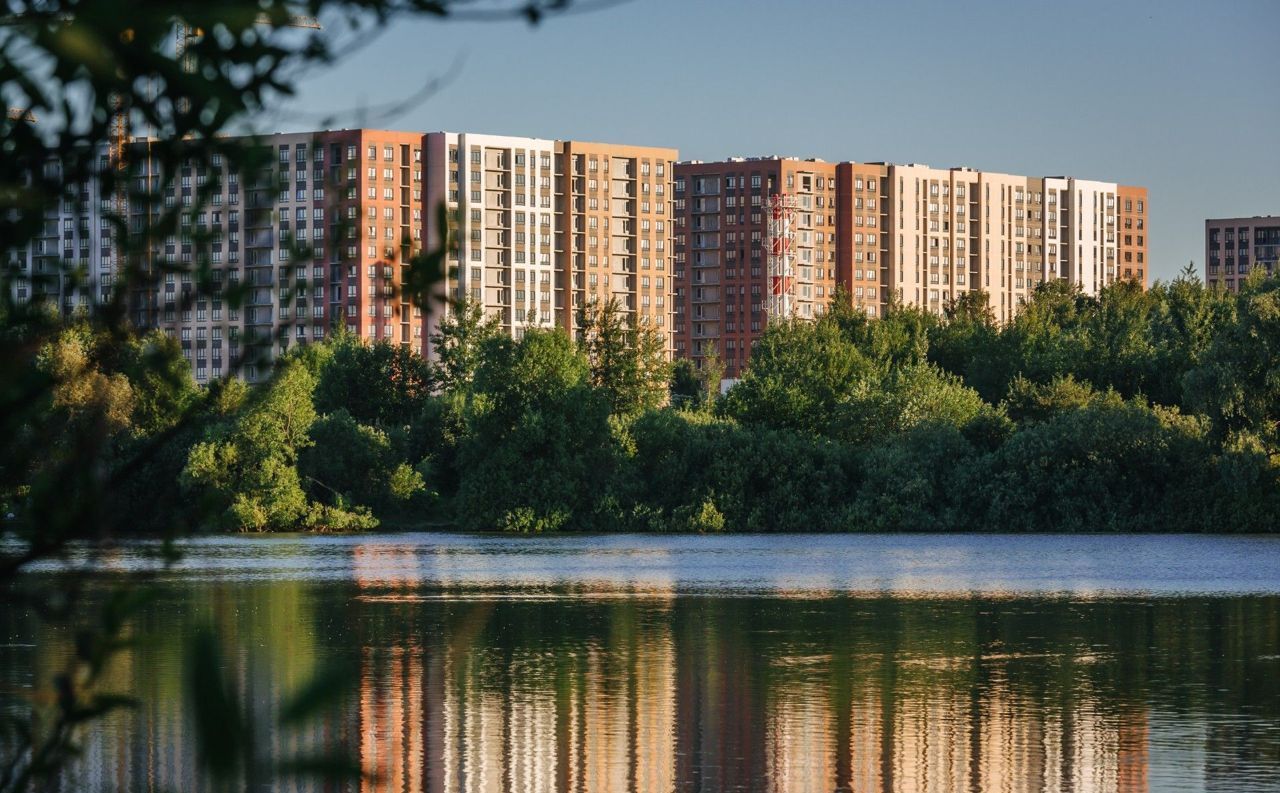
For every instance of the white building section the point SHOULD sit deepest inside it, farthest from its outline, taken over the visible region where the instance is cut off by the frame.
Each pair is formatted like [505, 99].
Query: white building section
[1091, 239]
[500, 191]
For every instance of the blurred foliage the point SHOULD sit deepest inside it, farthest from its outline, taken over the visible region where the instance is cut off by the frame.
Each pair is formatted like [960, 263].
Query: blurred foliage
[1132, 410]
[99, 421]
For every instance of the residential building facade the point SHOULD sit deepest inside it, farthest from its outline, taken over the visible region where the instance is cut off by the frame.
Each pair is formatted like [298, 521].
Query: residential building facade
[74, 234]
[1235, 247]
[500, 199]
[1133, 208]
[545, 228]
[317, 239]
[614, 235]
[321, 236]
[884, 232]
[704, 253]
[721, 241]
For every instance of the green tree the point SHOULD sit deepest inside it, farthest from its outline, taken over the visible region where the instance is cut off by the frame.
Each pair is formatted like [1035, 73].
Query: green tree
[1237, 384]
[381, 384]
[162, 385]
[904, 398]
[799, 372]
[1119, 349]
[1030, 402]
[693, 388]
[628, 359]
[1045, 339]
[1188, 318]
[703, 518]
[1098, 468]
[899, 336]
[968, 328]
[686, 385]
[82, 392]
[459, 344]
[246, 470]
[538, 450]
[918, 481]
[350, 463]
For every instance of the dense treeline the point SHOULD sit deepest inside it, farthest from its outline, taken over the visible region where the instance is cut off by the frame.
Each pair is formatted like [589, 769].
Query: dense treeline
[1136, 410]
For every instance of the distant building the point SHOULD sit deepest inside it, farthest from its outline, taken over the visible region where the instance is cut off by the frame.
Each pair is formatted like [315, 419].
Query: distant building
[500, 195]
[318, 238]
[1234, 247]
[614, 238]
[322, 235]
[721, 245]
[705, 253]
[545, 228]
[921, 236]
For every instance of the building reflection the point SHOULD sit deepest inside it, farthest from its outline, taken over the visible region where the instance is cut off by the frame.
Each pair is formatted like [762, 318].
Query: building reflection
[587, 691]
[625, 712]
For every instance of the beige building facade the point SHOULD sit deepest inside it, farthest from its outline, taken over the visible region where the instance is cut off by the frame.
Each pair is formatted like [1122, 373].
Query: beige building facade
[615, 232]
[543, 228]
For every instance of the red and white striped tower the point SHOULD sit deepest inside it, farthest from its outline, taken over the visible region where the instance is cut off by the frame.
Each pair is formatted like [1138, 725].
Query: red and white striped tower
[781, 264]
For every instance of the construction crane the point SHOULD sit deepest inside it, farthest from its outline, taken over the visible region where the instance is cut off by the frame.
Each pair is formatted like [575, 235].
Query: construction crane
[186, 35]
[189, 34]
[118, 130]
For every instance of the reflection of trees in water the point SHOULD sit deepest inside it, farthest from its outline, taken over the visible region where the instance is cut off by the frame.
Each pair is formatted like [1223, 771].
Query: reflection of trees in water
[562, 690]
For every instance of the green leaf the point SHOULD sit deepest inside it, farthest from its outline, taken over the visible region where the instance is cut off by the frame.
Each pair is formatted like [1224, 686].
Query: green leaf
[326, 688]
[220, 734]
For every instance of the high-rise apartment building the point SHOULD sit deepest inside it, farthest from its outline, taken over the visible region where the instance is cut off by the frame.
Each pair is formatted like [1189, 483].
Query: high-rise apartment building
[545, 228]
[1132, 263]
[1234, 247]
[885, 232]
[862, 214]
[500, 195]
[722, 249]
[74, 234]
[374, 227]
[616, 230]
[705, 253]
[320, 237]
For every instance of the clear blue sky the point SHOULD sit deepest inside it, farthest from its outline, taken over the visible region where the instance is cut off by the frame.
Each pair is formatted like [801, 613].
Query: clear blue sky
[1177, 95]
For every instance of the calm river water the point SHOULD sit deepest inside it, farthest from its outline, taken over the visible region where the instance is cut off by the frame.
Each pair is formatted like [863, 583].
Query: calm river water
[758, 663]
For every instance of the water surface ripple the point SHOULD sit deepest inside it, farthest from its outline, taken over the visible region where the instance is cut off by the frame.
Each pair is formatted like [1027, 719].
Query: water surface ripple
[794, 663]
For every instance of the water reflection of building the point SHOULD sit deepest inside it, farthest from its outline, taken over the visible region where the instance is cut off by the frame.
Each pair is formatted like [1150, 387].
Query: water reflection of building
[799, 754]
[597, 718]
[462, 710]
[392, 718]
[391, 565]
[475, 695]
[624, 713]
